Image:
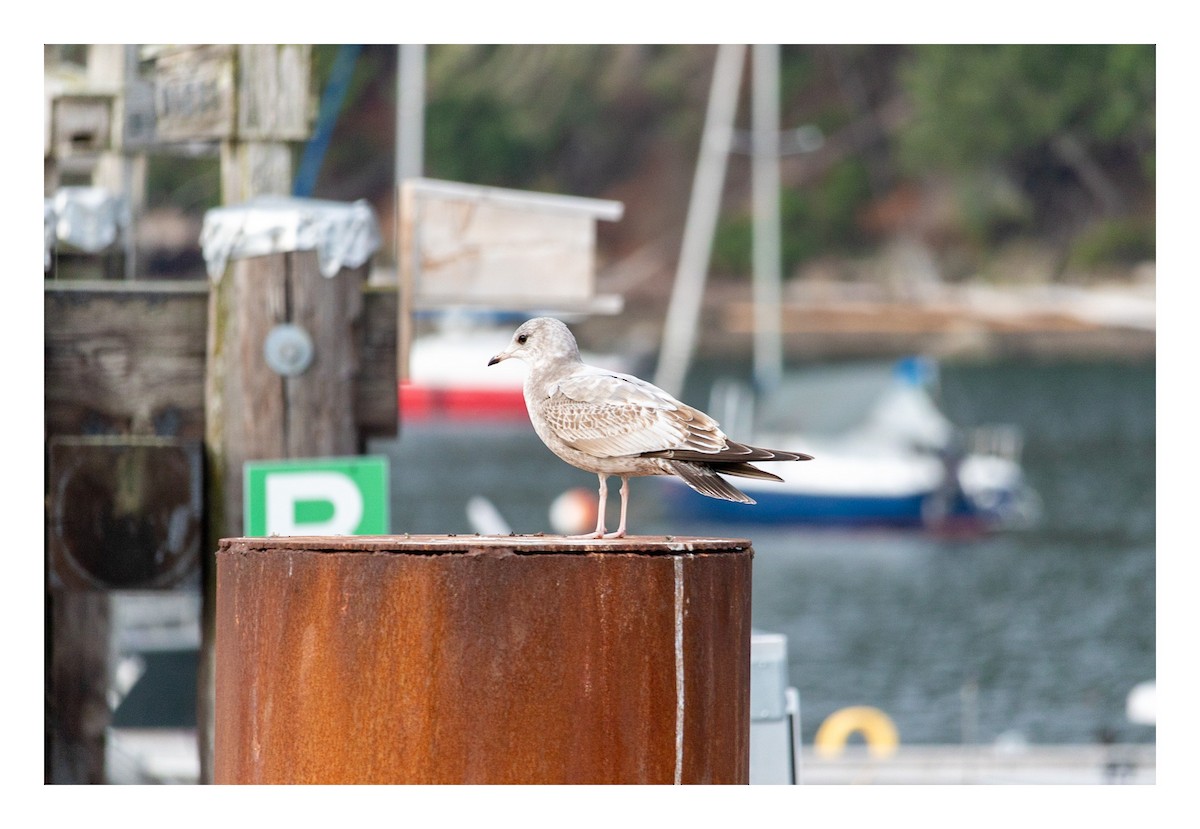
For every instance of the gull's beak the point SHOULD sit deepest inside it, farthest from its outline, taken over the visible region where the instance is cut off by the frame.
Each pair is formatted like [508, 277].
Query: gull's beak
[503, 355]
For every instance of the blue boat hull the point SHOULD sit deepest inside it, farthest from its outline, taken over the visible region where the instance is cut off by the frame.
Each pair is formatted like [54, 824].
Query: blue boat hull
[817, 510]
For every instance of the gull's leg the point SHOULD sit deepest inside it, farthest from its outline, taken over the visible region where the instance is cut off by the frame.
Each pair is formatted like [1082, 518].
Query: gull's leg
[620, 532]
[603, 502]
[599, 532]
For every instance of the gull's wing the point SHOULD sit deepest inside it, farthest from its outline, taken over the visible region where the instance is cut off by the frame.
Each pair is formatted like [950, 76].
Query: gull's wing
[607, 414]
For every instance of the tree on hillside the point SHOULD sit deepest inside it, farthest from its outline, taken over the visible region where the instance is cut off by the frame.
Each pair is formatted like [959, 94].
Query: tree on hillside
[1071, 126]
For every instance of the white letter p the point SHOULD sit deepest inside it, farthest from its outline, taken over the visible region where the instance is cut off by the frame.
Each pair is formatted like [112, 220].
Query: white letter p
[285, 489]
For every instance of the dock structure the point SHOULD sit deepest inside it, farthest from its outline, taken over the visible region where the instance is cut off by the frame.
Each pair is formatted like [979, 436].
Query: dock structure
[482, 659]
[1034, 764]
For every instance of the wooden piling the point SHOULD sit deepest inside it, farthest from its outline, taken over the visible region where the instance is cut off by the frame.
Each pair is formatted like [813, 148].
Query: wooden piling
[77, 672]
[468, 659]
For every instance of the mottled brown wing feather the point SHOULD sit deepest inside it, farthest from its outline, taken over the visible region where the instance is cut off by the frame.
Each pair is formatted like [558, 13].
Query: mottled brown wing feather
[608, 415]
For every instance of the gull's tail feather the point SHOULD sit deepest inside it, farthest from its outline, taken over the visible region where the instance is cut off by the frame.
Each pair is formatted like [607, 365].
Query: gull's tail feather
[733, 453]
[745, 470]
[705, 480]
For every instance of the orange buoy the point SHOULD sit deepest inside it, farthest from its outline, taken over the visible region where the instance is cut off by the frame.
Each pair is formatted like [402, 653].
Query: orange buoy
[574, 512]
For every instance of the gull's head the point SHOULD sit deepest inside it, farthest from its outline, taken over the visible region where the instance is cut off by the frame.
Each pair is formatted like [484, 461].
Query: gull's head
[540, 341]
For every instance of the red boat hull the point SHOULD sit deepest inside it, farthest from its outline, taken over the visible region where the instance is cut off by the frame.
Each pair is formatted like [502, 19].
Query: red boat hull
[419, 403]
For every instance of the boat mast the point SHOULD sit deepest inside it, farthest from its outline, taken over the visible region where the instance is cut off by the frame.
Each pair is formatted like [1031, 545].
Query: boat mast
[768, 345]
[410, 112]
[679, 332]
[409, 163]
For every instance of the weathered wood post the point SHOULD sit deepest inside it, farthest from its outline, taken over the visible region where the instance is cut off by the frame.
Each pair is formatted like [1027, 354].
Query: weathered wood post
[124, 513]
[283, 347]
[113, 425]
[468, 659]
[283, 361]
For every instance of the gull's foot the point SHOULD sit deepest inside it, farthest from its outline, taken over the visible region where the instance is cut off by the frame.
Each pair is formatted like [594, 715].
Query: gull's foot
[617, 534]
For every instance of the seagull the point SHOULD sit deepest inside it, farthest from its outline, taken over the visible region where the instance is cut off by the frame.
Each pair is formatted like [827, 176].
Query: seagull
[616, 424]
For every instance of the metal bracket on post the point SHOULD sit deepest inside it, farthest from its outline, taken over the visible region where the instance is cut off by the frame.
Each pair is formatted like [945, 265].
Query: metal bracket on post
[288, 349]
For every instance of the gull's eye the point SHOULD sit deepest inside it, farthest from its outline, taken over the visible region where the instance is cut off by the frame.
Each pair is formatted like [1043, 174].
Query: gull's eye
[521, 339]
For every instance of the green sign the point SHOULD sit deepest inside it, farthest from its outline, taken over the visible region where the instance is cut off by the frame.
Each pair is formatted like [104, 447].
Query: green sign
[317, 496]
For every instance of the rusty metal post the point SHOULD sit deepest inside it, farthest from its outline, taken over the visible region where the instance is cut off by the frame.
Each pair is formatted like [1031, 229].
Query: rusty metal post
[468, 659]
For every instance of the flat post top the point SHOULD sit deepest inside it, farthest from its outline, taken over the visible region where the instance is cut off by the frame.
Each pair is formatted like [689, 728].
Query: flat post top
[534, 544]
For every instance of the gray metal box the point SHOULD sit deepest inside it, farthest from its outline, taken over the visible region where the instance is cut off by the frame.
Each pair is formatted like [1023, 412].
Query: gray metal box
[774, 712]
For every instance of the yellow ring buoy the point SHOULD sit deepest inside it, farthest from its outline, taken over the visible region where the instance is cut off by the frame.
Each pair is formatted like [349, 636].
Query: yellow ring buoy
[876, 727]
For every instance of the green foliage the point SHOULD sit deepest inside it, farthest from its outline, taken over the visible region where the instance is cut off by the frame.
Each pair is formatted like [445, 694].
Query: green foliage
[733, 245]
[1068, 131]
[1114, 242]
[474, 139]
[564, 118]
[493, 111]
[991, 207]
[812, 221]
[1003, 104]
[824, 217]
[797, 74]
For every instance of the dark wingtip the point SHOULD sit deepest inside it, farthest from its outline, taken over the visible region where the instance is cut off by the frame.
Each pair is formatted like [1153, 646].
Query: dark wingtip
[755, 453]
